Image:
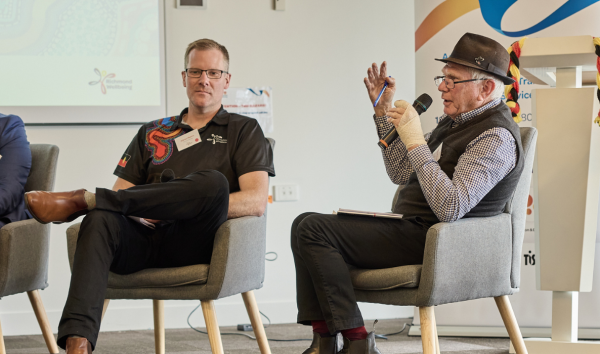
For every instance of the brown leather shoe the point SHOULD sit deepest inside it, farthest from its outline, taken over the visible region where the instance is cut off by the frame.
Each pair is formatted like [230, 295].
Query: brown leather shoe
[363, 346]
[78, 346]
[322, 345]
[56, 207]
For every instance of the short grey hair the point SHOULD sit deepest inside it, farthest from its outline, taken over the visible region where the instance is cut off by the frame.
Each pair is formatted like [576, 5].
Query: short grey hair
[478, 74]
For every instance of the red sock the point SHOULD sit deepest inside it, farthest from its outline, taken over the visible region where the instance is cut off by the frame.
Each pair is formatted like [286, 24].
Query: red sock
[357, 333]
[320, 327]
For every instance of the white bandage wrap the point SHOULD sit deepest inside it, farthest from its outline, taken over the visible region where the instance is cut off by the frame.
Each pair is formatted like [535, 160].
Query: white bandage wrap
[409, 127]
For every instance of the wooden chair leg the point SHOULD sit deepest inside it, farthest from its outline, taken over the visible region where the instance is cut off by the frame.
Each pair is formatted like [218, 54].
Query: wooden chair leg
[40, 314]
[212, 327]
[254, 314]
[159, 326]
[104, 307]
[510, 322]
[2, 348]
[428, 331]
[437, 339]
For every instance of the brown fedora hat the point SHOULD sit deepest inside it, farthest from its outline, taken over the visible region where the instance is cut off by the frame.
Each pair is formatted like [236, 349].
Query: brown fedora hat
[481, 53]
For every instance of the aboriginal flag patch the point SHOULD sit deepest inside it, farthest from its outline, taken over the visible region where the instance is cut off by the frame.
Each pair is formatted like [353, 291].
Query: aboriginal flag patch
[123, 161]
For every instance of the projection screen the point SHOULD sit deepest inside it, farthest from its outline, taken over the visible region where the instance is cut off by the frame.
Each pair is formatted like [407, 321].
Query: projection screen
[73, 61]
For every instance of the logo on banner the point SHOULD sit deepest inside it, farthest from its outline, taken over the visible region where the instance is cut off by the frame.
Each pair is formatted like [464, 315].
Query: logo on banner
[492, 11]
[529, 258]
[260, 92]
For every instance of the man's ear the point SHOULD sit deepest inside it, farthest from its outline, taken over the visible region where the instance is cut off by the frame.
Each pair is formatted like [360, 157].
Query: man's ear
[486, 89]
[227, 80]
[183, 75]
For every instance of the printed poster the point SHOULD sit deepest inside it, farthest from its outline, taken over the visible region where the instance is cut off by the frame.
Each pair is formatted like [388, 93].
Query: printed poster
[253, 102]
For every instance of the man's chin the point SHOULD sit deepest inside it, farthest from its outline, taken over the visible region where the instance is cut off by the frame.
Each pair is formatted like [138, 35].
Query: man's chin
[202, 104]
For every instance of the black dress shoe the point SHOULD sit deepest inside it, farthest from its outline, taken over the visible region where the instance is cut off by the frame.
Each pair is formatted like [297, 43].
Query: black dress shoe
[363, 346]
[322, 345]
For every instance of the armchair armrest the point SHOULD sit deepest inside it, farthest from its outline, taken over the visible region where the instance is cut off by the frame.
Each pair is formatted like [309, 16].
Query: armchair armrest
[467, 259]
[24, 254]
[238, 258]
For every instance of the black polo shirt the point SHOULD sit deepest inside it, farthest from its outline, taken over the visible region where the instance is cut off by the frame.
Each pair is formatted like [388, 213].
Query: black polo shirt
[230, 143]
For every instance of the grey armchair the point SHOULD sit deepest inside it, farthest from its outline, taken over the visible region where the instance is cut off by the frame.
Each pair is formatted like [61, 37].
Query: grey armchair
[468, 259]
[25, 246]
[237, 266]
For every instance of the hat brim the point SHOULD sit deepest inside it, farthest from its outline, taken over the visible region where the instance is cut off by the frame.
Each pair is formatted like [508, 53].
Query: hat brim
[505, 79]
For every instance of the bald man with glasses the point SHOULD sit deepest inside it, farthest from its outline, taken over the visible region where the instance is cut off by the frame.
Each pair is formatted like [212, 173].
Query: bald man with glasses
[180, 178]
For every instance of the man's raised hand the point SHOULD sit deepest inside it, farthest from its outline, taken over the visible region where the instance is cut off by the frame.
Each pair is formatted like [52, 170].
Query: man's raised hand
[408, 124]
[375, 80]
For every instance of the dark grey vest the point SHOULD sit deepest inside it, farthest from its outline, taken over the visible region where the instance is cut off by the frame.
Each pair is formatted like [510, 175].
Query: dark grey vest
[412, 202]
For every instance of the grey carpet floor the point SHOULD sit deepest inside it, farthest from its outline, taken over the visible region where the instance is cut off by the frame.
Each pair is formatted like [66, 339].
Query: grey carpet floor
[187, 341]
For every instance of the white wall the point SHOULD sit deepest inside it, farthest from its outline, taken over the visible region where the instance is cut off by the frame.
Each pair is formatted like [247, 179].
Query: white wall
[315, 56]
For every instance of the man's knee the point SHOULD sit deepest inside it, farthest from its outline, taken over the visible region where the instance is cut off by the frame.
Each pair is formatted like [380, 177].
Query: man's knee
[99, 226]
[212, 179]
[294, 232]
[310, 230]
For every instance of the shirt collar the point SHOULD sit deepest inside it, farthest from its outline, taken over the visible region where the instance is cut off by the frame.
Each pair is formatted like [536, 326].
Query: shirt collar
[221, 118]
[465, 117]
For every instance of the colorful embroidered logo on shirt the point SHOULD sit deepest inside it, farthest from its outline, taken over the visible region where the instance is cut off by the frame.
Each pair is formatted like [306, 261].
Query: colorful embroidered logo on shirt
[159, 139]
[124, 159]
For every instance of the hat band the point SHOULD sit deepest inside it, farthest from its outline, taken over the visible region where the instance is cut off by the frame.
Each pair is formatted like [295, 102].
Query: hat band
[496, 70]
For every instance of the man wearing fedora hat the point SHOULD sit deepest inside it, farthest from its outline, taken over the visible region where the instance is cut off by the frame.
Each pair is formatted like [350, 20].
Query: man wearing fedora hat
[468, 166]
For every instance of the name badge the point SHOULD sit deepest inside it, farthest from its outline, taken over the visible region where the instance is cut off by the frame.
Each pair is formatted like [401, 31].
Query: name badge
[438, 153]
[187, 140]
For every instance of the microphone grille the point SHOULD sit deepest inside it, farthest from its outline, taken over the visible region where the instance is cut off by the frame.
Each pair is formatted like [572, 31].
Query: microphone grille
[425, 100]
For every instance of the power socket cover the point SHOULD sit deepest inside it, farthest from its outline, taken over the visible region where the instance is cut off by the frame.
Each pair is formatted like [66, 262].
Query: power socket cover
[244, 327]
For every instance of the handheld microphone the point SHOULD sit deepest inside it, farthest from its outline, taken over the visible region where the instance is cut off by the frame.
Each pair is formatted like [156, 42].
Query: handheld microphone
[420, 105]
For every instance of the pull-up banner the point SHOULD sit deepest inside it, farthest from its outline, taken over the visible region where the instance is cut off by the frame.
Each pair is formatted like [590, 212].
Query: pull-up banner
[439, 25]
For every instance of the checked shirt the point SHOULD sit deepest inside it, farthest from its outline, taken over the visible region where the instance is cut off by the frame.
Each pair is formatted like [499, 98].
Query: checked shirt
[485, 162]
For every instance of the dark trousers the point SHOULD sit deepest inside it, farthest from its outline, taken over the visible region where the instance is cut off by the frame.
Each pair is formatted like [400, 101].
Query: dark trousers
[322, 246]
[109, 240]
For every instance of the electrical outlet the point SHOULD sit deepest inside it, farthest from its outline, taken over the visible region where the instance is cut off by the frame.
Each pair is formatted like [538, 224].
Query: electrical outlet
[285, 193]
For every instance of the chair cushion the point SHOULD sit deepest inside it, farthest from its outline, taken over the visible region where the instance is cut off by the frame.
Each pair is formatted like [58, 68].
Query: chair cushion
[160, 277]
[386, 279]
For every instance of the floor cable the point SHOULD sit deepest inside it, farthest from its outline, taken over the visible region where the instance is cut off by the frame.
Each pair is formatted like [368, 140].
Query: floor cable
[380, 336]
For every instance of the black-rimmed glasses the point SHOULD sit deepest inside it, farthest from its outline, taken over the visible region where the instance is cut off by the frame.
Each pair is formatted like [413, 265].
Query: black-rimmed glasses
[450, 82]
[210, 73]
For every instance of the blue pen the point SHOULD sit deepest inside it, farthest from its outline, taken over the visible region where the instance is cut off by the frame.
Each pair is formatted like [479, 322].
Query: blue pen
[381, 93]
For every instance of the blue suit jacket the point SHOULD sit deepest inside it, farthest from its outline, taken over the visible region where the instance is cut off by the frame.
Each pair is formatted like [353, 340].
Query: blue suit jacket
[15, 164]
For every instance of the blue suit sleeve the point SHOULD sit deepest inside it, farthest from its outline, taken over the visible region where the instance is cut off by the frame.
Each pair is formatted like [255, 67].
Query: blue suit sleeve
[15, 163]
